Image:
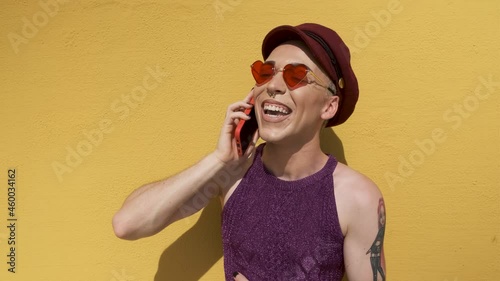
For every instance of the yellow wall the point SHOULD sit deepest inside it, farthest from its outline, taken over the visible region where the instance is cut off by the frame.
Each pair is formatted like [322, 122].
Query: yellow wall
[426, 128]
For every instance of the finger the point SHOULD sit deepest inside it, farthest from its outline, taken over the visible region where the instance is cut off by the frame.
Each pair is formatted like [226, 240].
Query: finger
[235, 117]
[238, 106]
[239, 277]
[256, 137]
[249, 96]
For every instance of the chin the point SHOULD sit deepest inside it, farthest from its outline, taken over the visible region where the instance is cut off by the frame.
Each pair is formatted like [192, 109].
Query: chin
[269, 135]
[274, 135]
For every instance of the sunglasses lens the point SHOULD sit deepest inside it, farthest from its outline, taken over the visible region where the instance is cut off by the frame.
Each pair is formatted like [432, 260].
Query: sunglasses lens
[262, 72]
[294, 75]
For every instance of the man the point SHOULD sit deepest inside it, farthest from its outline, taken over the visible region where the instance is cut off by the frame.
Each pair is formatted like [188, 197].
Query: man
[290, 212]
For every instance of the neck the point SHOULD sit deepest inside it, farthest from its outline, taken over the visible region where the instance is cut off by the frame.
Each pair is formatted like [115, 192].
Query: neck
[294, 161]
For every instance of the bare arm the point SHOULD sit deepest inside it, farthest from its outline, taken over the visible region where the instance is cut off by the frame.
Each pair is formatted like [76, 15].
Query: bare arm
[364, 241]
[154, 206]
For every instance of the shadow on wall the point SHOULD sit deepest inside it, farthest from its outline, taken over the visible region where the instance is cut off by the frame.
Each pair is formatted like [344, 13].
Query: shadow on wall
[331, 144]
[199, 248]
[196, 251]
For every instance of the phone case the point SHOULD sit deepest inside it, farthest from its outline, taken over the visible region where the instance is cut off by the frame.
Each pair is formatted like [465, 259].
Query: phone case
[245, 130]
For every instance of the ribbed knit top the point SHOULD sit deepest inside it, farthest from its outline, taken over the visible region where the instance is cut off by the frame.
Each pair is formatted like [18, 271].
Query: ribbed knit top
[274, 229]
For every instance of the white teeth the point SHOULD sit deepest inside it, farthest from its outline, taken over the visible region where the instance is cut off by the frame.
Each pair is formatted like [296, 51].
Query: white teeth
[273, 107]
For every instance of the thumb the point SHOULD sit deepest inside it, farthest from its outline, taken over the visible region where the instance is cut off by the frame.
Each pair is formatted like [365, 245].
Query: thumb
[239, 277]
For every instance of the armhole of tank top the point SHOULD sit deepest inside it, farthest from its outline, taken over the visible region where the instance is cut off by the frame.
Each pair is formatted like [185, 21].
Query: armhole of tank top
[333, 198]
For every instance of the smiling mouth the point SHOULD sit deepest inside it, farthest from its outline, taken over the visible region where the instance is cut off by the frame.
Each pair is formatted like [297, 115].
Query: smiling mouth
[276, 110]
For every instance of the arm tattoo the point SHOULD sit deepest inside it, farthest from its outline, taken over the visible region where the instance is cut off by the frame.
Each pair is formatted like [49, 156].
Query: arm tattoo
[377, 250]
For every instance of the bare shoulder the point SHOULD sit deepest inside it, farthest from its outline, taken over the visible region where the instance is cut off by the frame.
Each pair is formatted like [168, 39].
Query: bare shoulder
[354, 184]
[355, 194]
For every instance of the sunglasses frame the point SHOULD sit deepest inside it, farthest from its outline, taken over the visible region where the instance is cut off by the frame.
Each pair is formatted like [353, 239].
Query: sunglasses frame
[275, 71]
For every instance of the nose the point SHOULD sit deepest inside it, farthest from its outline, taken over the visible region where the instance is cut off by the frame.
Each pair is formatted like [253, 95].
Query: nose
[276, 86]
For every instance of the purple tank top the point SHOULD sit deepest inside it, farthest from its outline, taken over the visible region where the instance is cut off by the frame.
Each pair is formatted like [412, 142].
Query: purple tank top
[283, 230]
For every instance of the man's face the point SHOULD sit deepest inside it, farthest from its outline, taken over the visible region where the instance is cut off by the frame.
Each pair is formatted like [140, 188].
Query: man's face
[295, 115]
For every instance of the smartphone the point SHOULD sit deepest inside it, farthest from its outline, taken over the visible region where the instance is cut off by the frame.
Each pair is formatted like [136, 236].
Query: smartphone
[246, 129]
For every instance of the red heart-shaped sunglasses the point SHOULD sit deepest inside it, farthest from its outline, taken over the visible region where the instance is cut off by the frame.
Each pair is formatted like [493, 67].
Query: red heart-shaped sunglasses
[294, 75]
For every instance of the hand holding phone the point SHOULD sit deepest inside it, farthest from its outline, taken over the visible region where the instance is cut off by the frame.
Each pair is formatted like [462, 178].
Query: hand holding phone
[245, 130]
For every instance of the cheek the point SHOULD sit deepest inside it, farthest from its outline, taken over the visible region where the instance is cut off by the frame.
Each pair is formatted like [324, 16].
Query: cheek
[258, 91]
[308, 104]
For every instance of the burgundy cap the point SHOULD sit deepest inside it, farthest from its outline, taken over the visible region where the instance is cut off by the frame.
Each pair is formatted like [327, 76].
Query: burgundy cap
[332, 55]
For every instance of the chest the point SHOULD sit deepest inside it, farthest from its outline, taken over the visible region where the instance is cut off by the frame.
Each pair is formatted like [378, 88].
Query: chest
[281, 232]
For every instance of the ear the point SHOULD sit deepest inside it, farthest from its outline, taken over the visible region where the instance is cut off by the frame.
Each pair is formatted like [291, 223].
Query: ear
[330, 108]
